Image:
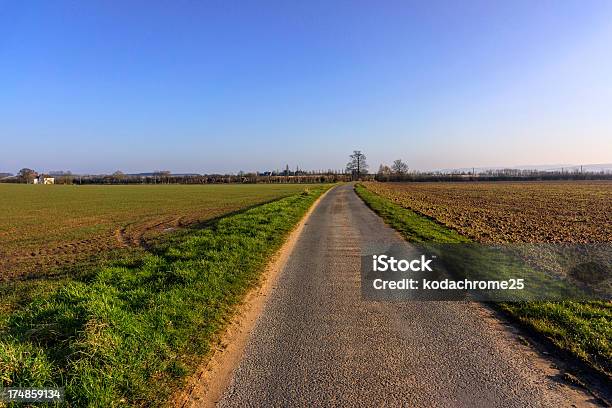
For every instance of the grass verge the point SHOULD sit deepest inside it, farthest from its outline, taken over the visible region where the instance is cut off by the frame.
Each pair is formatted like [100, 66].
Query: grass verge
[582, 329]
[131, 332]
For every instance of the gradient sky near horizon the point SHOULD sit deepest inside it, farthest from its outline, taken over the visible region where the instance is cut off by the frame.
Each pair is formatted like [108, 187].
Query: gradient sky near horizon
[203, 86]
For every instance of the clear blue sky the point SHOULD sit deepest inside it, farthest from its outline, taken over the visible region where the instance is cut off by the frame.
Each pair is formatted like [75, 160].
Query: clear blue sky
[199, 86]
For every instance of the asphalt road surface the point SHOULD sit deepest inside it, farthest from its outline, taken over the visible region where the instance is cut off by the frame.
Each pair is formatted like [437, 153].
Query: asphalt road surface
[318, 343]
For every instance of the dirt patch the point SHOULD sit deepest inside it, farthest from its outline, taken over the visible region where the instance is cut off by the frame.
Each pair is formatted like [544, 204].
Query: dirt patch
[50, 259]
[137, 234]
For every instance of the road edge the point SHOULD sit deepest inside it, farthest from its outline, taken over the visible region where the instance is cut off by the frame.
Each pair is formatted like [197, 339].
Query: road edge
[206, 386]
[568, 370]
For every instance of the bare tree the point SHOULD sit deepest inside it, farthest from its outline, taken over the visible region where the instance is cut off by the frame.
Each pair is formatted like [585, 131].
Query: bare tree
[384, 170]
[399, 167]
[357, 165]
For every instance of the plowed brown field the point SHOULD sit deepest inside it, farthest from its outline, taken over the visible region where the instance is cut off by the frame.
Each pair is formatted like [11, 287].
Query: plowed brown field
[564, 211]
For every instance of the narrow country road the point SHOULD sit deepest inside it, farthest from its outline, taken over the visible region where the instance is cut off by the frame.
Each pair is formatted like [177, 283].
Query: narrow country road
[318, 343]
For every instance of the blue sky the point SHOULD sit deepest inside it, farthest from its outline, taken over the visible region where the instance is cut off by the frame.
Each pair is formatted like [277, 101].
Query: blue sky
[199, 86]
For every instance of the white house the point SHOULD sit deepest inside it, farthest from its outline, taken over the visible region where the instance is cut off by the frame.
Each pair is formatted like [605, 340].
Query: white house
[42, 179]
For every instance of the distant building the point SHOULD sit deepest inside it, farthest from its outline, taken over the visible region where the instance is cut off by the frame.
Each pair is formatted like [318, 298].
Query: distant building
[42, 179]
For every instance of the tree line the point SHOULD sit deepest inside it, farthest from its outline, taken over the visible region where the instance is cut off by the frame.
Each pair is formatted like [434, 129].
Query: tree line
[27, 175]
[356, 169]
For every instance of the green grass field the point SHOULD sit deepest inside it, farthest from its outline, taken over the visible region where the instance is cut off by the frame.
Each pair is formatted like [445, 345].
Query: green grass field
[129, 331]
[583, 329]
[49, 229]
